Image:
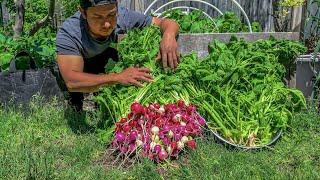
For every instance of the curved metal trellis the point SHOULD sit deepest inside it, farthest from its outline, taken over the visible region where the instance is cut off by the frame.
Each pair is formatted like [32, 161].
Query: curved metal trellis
[199, 1]
[188, 8]
[184, 7]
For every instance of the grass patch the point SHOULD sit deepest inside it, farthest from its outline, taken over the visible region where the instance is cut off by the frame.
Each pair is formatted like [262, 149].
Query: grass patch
[52, 142]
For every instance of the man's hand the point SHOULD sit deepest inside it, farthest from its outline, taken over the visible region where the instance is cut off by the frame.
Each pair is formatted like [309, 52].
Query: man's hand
[169, 50]
[169, 53]
[134, 76]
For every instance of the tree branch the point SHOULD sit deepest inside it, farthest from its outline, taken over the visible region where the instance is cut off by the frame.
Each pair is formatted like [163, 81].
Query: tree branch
[39, 25]
[43, 22]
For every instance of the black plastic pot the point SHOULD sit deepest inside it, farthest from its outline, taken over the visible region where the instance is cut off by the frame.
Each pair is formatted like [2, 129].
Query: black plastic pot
[225, 142]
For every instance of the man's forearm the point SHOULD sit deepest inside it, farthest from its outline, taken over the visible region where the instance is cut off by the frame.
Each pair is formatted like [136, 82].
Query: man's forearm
[85, 82]
[169, 27]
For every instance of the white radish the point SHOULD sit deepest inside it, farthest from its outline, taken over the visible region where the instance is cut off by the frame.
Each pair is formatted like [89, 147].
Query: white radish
[155, 130]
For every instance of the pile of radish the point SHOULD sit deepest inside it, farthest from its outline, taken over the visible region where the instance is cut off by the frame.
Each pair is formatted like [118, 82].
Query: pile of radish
[158, 132]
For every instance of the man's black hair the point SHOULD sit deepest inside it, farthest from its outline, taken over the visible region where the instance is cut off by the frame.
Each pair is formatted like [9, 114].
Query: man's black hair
[91, 3]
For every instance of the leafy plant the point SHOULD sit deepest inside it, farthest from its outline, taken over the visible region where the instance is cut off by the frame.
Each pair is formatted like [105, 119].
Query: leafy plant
[194, 22]
[197, 22]
[40, 47]
[238, 88]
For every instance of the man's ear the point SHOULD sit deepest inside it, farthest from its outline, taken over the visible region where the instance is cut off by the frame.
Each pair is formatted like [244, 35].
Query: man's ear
[83, 12]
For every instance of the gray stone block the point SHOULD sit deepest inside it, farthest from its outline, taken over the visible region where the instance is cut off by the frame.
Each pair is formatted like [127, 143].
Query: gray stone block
[199, 42]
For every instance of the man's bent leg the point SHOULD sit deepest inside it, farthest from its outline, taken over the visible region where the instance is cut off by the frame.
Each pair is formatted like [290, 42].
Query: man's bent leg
[75, 100]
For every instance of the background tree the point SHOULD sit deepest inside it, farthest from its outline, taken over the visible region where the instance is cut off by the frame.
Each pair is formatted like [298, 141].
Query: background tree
[281, 13]
[19, 19]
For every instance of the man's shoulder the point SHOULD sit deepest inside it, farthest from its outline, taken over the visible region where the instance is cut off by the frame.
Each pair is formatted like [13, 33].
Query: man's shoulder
[72, 25]
[69, 36]
[129, 19]
[123, 11]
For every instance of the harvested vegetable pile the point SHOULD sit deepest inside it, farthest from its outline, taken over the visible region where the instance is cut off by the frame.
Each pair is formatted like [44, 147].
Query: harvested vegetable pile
[197, 22]
[157, 132]
[238, 88]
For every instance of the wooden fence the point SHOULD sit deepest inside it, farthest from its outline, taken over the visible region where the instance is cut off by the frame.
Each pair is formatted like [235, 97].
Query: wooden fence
[257, 10]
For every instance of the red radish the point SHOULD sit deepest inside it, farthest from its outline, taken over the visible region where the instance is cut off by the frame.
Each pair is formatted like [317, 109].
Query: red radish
[123, 120]
[191, 109]
[192, 144]
[130, 115]
[131, 123]
[163, 155]
[174, 145]
[170, 107]
[133, 136]
[126, 128]
[156, 105]
[181, 104]
[162, 129]
[157, 148]
[202, 121]
[120, 137]
[136, 108]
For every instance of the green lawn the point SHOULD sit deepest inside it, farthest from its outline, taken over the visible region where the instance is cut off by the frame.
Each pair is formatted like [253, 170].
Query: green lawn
[51, 142]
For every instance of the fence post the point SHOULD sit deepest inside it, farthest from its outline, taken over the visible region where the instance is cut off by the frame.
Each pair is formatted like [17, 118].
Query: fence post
[1, 17]
[5, 17]
[138, 5]
[296, 19]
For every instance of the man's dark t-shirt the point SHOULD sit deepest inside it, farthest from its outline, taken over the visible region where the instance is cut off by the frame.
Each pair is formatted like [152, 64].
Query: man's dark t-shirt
[73, 37]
